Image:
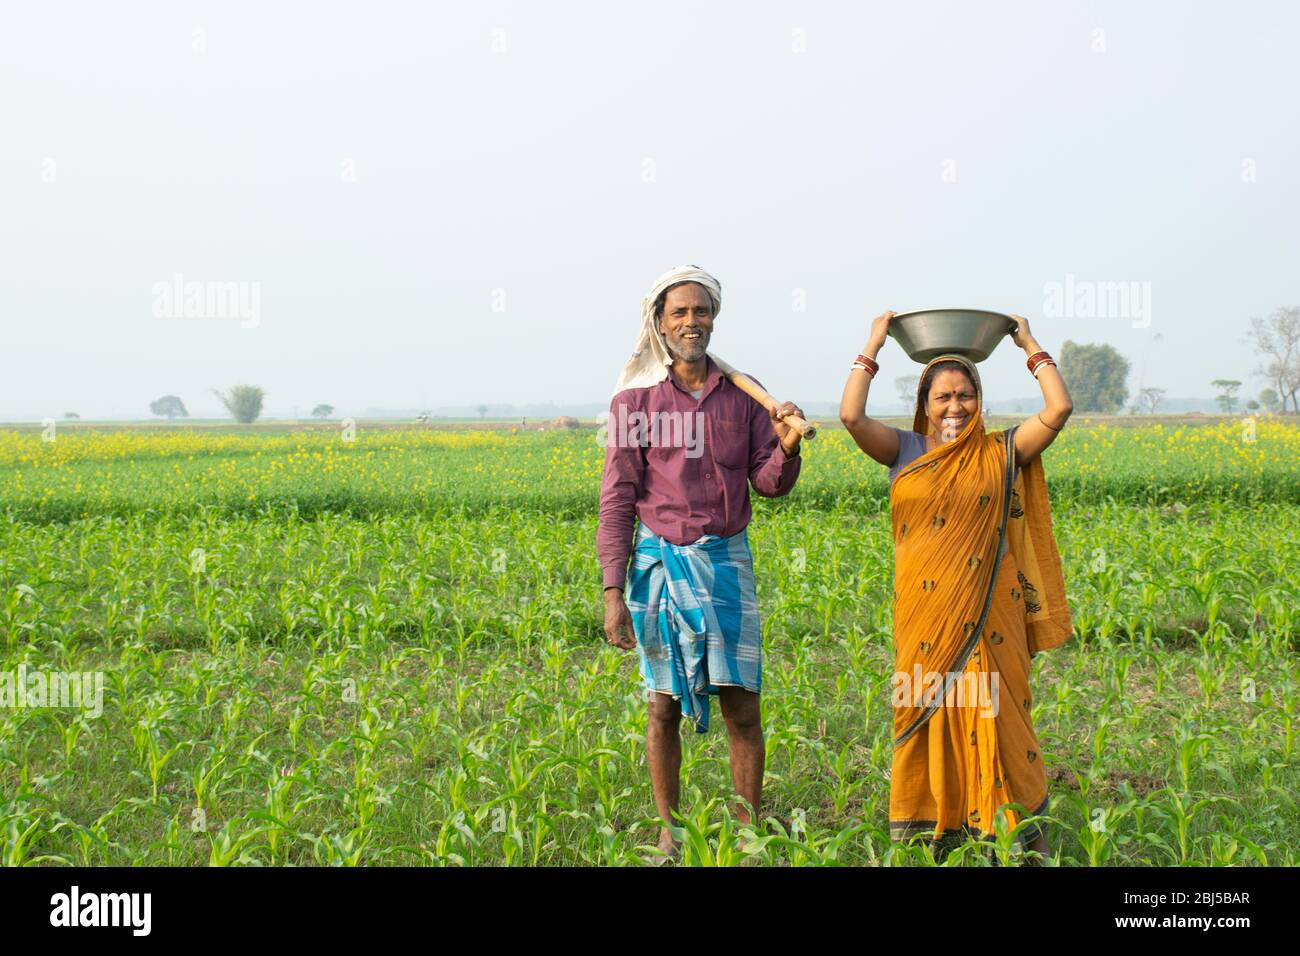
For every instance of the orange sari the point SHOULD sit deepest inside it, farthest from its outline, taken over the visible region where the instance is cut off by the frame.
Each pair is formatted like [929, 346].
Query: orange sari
[967, 619]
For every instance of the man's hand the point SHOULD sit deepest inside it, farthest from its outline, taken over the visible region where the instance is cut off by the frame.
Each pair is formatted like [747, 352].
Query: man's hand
[618, 621]
[789, 437]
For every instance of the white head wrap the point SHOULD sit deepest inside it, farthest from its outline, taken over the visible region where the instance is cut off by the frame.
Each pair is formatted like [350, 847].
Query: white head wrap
[649, 362]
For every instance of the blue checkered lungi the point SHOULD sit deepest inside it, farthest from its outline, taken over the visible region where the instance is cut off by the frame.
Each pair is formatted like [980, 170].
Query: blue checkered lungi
[695, 612]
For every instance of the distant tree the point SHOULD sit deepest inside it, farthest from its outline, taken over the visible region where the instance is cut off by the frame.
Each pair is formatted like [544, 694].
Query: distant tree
[1268, 398]
[1227, 397]
[1277, 340]
[1252, 406]
[1096, 376]
[322, 411]
[1150, 399]
[71, 416]
[907, 386]
[244, 402]
[170, 407]
[481, 409]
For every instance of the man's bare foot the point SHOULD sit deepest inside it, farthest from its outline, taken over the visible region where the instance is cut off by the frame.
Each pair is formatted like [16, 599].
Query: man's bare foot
[666, 842]
[669, 849]
[742, 848]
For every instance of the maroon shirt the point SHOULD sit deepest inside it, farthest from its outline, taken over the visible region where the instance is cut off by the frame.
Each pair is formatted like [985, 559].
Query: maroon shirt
[683, 481]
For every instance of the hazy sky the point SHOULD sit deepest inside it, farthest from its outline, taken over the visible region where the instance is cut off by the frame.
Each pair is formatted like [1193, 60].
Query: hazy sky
[443, 204]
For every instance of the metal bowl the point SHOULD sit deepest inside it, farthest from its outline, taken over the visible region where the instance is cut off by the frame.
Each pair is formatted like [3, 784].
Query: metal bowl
[971, 333]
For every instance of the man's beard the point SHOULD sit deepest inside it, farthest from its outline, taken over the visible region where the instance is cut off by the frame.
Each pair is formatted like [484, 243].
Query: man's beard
[687, 352]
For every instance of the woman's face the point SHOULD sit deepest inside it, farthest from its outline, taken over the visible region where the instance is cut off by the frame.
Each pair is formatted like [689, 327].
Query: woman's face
[951, 404]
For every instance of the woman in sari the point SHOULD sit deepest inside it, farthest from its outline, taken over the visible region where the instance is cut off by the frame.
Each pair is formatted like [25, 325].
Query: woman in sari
[977, 592]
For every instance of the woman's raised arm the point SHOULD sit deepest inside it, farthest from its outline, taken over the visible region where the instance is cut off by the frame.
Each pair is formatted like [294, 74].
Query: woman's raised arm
[1040, 429]
[876, 439]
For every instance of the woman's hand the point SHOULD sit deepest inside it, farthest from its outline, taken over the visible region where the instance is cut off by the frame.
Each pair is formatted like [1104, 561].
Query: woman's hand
[1021, 334]
[1038, 431]
[879, 332]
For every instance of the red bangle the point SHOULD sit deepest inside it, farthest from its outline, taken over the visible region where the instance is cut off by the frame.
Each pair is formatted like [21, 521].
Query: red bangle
[869, 364]
[1036, 358]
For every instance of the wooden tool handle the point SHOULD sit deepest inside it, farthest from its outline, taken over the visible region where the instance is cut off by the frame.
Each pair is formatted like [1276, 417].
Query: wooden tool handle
[760, 395]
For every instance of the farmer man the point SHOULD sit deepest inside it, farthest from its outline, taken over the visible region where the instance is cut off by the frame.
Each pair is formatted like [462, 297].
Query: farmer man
[682, 444]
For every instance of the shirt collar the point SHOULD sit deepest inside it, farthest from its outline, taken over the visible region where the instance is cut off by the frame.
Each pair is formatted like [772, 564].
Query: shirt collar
[712, 380]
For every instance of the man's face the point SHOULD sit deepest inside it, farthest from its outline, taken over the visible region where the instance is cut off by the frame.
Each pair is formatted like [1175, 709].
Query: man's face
[687, 321]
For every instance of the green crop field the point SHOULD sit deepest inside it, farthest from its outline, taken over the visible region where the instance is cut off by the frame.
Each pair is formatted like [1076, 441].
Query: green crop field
[389, 651]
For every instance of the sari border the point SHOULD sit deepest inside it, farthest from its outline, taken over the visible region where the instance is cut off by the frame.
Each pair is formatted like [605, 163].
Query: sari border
[901, 831]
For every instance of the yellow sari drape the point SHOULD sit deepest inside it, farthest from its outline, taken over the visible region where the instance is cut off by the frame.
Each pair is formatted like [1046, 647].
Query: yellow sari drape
[963, 634]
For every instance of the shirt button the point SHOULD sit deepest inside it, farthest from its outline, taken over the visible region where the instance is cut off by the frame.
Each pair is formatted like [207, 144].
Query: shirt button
[707, 475]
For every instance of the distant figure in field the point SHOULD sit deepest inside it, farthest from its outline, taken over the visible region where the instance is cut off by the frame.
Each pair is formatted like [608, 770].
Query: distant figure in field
[683, 445]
